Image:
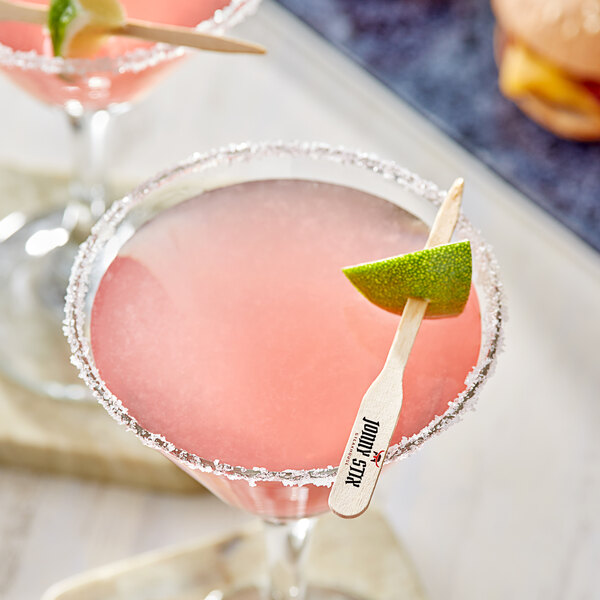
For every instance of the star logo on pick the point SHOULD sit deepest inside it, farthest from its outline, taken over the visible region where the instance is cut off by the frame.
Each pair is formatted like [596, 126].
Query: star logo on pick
[377, 456]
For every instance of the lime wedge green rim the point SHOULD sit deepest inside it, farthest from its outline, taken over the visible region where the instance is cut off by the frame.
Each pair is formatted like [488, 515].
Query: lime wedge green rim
[60, 15]
[441, 275]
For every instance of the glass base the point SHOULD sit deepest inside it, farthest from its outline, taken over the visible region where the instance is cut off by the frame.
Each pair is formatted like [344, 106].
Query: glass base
[358, 559]
[35, 262]
[313, 593]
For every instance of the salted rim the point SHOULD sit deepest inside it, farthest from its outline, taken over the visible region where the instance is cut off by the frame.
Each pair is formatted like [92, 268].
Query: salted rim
[132, 61]
[485, 272]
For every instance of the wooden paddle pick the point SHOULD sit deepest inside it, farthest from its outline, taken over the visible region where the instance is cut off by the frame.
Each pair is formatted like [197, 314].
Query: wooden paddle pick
[378, 413]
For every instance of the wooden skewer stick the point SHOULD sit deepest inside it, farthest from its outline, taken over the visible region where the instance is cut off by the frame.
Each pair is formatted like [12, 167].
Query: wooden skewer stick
[378, 413]
[25, 12]
[185, 36]
[168, 34]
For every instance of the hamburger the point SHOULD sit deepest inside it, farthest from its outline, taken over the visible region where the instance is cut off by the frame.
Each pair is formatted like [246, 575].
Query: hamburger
[548, 54]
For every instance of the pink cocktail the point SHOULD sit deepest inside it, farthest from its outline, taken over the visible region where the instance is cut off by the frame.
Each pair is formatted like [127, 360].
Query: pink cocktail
[34, 260]
[122, 70]
[213, 319]
[265, 348]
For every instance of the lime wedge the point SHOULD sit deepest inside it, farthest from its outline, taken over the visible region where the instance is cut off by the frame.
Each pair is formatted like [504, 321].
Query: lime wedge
[441, 275]
[79, 27]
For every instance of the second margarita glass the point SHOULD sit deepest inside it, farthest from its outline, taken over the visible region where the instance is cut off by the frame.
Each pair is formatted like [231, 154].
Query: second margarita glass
[35, 259]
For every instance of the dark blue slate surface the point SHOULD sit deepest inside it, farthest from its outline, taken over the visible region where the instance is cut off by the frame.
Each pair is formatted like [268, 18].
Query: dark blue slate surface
[437, 55]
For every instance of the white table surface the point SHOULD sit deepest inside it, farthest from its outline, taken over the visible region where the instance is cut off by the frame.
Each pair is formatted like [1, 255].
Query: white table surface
[504, 504]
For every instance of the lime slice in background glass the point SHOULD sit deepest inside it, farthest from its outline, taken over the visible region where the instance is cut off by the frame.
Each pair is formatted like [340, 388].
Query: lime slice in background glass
[79, 27]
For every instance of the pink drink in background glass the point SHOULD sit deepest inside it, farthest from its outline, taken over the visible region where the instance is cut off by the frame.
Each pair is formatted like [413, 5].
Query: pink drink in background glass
[226, 325]
[106, 85]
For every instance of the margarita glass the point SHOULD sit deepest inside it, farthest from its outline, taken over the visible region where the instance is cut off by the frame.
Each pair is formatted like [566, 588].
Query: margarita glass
[35, 259]
[285, 488]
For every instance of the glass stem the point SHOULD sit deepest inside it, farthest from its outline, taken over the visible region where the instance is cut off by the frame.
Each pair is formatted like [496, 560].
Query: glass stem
[88, 183]
[287, 545]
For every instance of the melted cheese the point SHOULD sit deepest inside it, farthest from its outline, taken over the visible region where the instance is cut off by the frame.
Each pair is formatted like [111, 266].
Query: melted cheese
[524, 73]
